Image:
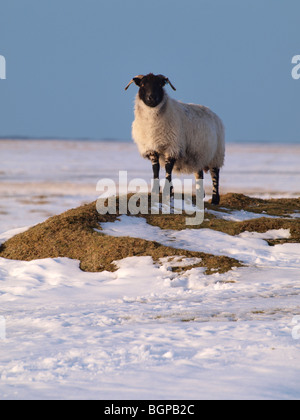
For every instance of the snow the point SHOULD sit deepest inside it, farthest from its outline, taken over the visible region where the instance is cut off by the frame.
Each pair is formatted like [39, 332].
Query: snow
[237, 215]
[41, 178]
[145, 332]
[247, 247]
[295, 215]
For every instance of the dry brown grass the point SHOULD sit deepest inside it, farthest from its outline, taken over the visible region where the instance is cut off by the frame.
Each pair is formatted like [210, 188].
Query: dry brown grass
[72, 234]
[281, 208]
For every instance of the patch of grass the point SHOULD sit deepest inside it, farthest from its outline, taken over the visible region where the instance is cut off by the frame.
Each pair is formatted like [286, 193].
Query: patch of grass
[72, 235]
[275, 207]
[260, 225]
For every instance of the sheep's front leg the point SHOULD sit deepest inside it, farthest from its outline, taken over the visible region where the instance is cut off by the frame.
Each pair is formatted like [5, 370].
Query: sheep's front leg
[154, 158]
[169, 164]
[215, 176]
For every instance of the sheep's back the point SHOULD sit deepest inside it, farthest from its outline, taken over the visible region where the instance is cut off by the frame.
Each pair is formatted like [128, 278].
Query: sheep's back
[203, 134]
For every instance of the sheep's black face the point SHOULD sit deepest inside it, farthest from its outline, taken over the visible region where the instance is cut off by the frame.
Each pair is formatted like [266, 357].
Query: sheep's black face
[151, 90]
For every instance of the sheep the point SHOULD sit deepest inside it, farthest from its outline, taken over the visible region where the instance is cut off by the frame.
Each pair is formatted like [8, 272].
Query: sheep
[184, 138]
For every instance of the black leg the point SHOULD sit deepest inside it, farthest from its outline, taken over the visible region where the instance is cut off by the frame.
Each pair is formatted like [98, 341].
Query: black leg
[215, 176]
[154, 157]
[199, 175]
[169, 163]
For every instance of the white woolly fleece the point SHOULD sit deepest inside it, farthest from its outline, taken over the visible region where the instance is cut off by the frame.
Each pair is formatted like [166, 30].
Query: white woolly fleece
[192, 134]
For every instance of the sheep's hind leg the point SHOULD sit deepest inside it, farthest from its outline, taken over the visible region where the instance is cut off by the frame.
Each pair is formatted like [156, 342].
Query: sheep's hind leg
[199, 176]
[215, 176]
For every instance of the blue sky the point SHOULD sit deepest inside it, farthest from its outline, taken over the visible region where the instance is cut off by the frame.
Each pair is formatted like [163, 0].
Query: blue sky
[68, 62]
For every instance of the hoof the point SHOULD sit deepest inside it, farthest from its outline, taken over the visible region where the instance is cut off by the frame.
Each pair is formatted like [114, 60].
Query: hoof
[215, 199]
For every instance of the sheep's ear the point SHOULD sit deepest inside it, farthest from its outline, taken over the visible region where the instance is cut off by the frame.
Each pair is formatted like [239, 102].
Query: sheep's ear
[136, 80]
[173, 87]
[166, 80]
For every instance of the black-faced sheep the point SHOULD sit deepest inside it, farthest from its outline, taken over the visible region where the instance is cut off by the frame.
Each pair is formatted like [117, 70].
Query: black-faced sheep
[186, 138]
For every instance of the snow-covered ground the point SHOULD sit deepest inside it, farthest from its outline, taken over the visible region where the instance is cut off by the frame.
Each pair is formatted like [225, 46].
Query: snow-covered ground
[42, 178]
[145, 332]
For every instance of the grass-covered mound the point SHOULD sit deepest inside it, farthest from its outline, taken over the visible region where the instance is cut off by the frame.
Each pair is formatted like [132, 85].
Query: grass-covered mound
[280, 209]
[72, 234]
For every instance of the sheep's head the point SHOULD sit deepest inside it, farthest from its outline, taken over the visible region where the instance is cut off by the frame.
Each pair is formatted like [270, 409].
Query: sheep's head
[151, 90]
